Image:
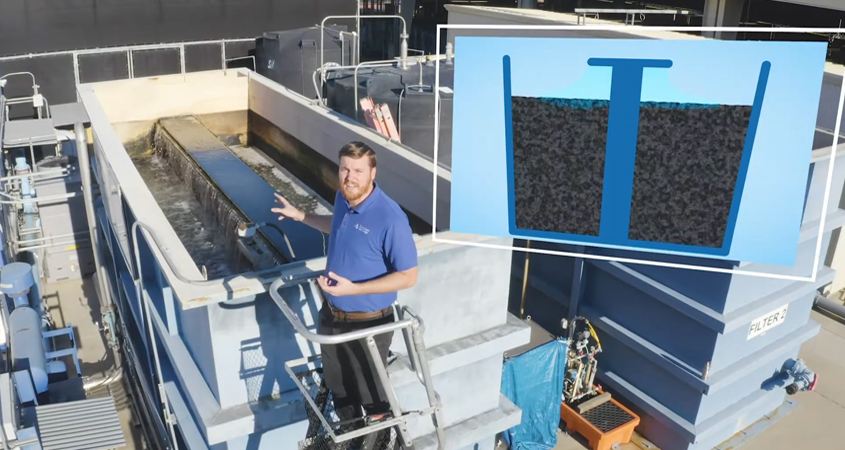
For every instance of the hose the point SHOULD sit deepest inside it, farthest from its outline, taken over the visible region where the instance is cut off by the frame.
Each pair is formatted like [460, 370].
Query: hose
[593, 333]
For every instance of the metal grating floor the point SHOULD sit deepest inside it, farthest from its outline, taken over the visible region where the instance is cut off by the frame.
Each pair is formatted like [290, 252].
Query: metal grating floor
[318, 437]
[607, 417]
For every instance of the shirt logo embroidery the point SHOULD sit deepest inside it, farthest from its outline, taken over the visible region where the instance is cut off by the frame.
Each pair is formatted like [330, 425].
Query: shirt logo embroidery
[361, 228]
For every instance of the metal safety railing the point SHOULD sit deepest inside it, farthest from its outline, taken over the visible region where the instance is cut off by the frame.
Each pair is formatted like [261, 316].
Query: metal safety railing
[412, 329]
[631, 14]
[130, 50]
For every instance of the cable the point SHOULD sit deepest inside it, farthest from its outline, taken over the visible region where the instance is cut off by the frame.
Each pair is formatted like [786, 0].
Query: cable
[593, 332]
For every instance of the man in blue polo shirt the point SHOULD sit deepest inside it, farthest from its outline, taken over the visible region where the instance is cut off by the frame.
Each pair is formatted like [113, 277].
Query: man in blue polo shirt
[371, 256]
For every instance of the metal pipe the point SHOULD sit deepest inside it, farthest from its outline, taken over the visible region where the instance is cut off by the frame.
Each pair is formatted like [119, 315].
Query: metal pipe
[373, 65]
[88, 198]
[827, 305]
[381, 371]
[51, 245]
[433, 397]
[358, 18]
[53, 174]
[357, 30]
[116, 376]
[47, 238]
[284, 236]
[525, 281]
[142, 298]
[317, 89]
[15, 200]
[264, 276]
[403, 50]
[44, 173]
[19, 73]
[323, 70]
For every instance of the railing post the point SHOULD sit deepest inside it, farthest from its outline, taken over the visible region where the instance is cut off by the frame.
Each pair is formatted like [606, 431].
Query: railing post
[76, 67]
[182, 57]
[223, 55]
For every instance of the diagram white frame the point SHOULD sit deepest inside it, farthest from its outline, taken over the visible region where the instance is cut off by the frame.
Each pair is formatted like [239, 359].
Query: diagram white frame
[836, 142]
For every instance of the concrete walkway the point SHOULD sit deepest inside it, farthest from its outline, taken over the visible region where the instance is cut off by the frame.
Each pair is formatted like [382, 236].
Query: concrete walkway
[75, 302]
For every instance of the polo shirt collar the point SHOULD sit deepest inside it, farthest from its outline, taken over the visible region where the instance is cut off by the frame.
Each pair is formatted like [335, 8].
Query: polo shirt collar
[368, 202]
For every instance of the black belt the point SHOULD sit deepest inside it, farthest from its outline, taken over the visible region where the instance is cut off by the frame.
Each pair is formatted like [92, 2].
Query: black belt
[359, 315]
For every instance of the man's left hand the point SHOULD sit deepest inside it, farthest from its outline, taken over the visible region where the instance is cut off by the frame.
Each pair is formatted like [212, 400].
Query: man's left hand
[342, 287]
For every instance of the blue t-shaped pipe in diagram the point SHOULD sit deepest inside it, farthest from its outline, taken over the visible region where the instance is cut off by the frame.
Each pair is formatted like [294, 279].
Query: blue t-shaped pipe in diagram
[622, 127]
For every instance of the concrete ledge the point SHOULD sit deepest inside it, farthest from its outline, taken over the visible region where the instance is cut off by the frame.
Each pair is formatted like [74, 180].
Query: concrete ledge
[187, 425]
[788, 294]
[462, 352]
[476, 429]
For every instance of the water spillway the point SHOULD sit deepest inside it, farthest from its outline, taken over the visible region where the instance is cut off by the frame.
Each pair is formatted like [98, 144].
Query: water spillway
[198, 230]
[206, 189]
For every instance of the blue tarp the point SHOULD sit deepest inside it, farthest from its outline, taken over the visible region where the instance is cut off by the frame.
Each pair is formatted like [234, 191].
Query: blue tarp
[533, 381]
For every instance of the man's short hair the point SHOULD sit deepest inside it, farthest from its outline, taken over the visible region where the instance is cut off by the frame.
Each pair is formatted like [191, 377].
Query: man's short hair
[357, 150]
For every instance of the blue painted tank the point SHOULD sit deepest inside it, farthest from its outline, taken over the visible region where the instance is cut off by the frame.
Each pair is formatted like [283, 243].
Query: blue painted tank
[693, 352]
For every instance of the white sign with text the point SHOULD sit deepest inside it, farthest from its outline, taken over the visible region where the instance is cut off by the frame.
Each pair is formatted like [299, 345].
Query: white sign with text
[767, 322]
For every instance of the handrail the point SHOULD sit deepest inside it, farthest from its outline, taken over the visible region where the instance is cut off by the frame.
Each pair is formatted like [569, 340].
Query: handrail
[337, 338]
[412, 329]
[264, 276]
[358, 18]
[582, 12]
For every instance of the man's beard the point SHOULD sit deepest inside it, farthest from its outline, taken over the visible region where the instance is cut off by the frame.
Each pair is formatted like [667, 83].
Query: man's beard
[355, 192]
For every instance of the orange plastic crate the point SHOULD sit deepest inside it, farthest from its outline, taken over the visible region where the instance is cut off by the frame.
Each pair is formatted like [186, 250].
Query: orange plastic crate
[602, 426]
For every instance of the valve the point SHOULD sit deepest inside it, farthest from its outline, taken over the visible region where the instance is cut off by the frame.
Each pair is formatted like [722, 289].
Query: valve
[803, 379]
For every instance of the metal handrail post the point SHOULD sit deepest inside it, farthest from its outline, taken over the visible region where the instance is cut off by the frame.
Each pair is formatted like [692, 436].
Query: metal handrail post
[416, 350]
[357, 18]
[424, 372]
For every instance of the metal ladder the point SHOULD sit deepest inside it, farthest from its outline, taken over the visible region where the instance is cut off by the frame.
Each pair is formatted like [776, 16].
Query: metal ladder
[412, 330]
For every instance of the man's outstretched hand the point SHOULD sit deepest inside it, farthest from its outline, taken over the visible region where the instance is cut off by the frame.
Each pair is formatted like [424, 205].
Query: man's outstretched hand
[336, 285]
[287, 210]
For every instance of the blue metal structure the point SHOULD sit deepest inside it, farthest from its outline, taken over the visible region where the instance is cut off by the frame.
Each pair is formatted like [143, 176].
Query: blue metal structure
[685, 348]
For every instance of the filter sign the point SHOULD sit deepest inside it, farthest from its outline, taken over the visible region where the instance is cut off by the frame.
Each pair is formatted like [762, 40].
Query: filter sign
[767, 322]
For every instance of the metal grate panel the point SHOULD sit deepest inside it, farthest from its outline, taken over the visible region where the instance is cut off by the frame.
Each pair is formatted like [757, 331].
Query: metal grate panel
[318, 438]
[91, 424]
[607, 416]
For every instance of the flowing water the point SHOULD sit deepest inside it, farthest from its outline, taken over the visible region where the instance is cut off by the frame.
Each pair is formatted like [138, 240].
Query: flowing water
[199, 232]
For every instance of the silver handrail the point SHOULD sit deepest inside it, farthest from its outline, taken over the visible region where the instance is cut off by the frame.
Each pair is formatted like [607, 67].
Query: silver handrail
[412, 331]
[358, 18]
